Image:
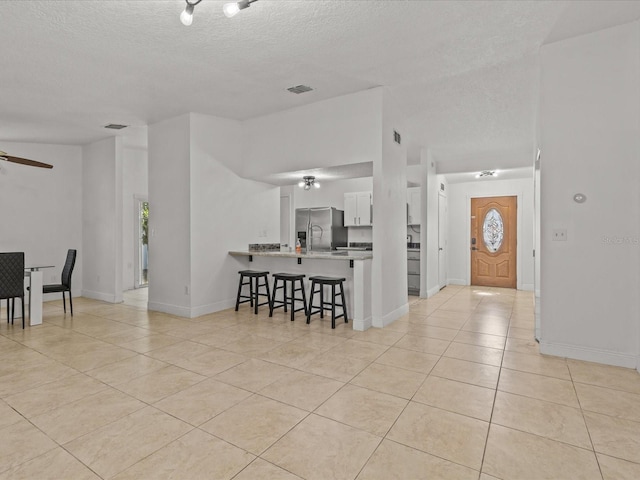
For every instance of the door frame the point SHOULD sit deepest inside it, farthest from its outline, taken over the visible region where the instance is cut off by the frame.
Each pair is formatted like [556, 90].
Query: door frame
[137, 200]
[443, 222]
[519, 209]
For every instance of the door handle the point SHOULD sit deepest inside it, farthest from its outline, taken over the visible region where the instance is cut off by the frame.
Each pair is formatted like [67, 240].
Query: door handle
[474, 248]
[440, 248]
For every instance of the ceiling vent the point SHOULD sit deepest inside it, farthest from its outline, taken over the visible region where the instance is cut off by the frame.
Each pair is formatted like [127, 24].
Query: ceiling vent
[115, 126]
[299, 89]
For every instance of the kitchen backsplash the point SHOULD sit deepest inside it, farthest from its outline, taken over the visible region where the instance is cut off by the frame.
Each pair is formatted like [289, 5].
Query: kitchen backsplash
[264, 247]
[367, 245]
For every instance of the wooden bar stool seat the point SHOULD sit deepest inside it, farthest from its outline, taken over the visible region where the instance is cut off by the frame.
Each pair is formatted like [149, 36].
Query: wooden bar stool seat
[322, 282]
[288, 299]
[253, 278]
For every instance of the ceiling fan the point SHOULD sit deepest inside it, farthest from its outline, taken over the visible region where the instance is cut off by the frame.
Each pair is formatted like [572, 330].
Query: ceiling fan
[23, 161]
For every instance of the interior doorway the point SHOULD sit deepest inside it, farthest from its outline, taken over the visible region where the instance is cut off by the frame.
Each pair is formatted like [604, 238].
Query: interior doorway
[142, 243]
[442, 240]
[494, 241]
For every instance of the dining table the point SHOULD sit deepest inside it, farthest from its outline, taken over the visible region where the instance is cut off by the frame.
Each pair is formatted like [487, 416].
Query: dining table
[34, 273]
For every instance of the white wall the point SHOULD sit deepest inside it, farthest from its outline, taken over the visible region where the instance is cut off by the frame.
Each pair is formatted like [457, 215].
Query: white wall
[459, 200]
[227, 212]
[102, 219]
[42, 208]
[199, 210]
[429, 241]
[134, 184]
[169, 216]
[337, 131]
[590, 131]
[389, 266]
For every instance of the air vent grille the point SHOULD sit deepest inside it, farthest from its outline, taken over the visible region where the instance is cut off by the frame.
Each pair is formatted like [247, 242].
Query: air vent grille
[115, 126]
[298, 89]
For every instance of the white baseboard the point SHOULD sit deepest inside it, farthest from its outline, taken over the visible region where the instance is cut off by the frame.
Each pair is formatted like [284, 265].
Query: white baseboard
[528, 287]
[590, 354]
[362, 325]
[431, 292]
[391, 317]
[105, 297]
[170, 309]
[456, 281]
[212, 307]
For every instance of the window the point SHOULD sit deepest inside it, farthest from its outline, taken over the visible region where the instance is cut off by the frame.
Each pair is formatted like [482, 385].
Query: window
[493, 230]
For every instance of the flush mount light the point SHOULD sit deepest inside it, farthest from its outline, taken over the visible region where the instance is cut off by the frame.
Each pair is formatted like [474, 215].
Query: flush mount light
[231, 9]
[115, 126]
[487, 173]
[186, 17]
[308, 181]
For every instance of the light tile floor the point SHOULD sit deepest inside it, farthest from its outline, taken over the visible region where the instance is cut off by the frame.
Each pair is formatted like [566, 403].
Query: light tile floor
[455, 389]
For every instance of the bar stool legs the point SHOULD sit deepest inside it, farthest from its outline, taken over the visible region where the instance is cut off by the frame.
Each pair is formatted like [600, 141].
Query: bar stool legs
[321, 282]
[288, 300]
[254, 278]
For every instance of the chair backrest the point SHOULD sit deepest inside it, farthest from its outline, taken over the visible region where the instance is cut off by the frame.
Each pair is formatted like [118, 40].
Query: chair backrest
[11, 274]
[68, 268]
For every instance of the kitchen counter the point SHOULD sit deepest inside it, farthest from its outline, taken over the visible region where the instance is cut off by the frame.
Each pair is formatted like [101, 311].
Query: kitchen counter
[355, 267]
[334, 255]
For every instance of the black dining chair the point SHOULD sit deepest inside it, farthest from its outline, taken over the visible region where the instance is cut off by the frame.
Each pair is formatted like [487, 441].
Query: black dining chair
[65, 286]
[12, 281]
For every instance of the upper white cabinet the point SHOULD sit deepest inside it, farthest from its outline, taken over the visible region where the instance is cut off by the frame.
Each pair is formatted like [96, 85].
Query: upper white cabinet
[357, 209]
[413, 206]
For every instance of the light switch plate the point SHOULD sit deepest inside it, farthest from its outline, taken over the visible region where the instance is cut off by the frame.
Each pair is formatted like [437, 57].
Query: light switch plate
[559, 235]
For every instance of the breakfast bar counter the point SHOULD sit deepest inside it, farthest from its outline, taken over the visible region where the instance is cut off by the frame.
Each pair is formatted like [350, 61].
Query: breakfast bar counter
[354, 266]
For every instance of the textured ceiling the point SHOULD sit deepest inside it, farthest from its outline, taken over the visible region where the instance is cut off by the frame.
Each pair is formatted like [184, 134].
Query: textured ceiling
[464, 73]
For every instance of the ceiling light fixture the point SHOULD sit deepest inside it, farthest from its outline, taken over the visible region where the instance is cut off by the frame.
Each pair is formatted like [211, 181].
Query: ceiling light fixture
[308, 181]
[232, 8]
[186, 17]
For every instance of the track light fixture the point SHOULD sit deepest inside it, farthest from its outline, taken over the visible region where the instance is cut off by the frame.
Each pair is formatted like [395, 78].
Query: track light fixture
[309, 181]
[232, 8]
[186, 17]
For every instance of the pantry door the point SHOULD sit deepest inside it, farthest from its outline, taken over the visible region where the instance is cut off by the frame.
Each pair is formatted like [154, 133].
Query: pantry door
[493, 241]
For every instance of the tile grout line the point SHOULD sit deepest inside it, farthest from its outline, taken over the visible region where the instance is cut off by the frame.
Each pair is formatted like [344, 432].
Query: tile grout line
[575, 391]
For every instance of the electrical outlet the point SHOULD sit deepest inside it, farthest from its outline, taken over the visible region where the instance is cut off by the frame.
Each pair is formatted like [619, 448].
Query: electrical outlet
[559, 235]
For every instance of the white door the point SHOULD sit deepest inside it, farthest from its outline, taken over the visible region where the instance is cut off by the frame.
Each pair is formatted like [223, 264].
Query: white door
[363, 201]
[285, 220]
[442, 241]
[350, 210]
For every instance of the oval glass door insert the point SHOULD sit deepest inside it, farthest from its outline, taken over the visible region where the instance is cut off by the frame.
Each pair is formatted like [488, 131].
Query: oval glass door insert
[493, 230]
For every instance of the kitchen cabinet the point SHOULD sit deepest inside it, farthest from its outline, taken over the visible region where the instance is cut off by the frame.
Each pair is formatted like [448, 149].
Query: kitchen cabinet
[358, 209]
[413, 271]
[413, 206]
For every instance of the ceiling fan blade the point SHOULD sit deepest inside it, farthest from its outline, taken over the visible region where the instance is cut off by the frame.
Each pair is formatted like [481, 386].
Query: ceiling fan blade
[25, 161]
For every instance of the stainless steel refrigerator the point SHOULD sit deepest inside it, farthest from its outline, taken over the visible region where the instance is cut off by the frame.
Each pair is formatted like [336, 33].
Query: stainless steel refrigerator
[320, 229]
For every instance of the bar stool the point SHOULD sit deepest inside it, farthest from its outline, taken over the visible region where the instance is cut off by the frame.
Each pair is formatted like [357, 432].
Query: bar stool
[322, 282]
[254, 277]
[285, 278]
